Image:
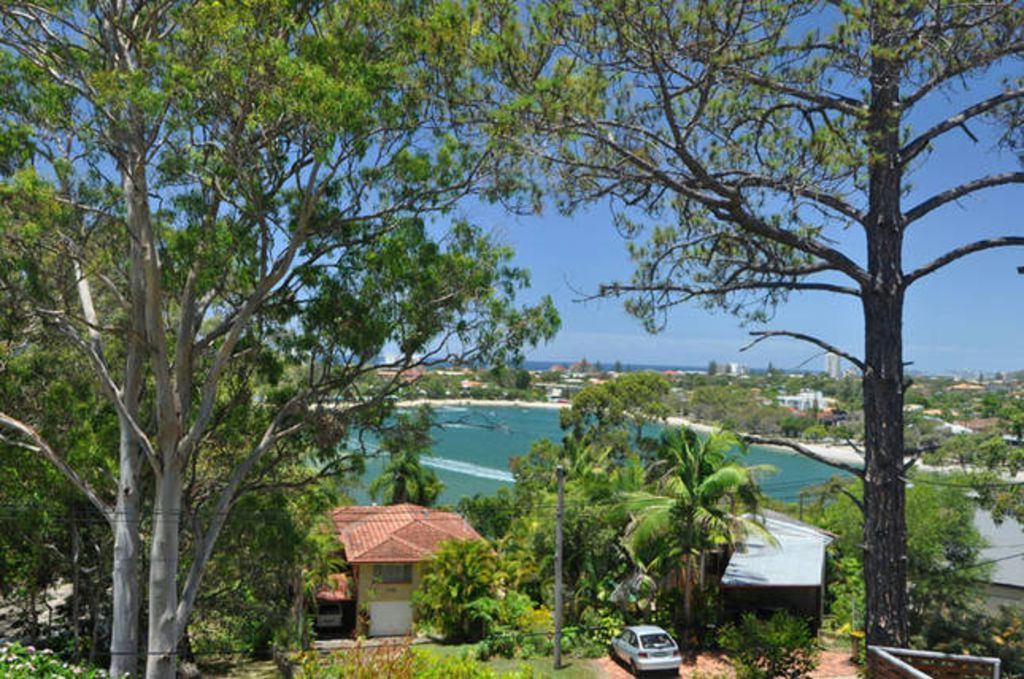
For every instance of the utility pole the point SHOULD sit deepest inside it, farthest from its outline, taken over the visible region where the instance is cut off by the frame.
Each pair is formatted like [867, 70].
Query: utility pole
[559, 515]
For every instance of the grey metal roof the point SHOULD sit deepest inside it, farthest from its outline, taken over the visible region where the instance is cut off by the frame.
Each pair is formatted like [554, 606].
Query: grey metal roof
[1006, 546]
[796, 559]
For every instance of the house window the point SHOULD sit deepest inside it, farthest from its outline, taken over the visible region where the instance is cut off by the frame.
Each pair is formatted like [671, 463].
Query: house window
[393, 574]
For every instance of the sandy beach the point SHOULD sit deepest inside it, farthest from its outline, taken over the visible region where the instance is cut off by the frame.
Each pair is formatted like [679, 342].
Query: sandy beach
[828, 452]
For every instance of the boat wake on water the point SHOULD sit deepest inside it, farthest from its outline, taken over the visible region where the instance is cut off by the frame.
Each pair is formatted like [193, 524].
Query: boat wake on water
[468, 468]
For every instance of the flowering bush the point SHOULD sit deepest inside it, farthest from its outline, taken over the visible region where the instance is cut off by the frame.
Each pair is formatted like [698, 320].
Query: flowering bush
[25, 662]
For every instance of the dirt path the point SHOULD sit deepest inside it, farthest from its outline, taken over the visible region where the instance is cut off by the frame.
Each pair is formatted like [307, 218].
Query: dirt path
[833, 665]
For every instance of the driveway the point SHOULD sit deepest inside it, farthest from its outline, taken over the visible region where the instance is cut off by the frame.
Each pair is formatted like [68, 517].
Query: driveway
[833, 665]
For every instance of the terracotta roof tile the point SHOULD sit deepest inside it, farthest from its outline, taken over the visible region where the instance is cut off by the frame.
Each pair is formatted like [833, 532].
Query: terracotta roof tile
[404, 533]
[337, 590]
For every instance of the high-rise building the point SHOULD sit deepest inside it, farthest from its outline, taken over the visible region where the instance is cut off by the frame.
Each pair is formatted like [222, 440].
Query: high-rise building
[833, 365]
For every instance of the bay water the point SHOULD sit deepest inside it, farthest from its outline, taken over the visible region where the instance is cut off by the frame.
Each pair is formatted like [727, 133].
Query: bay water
[473, 445]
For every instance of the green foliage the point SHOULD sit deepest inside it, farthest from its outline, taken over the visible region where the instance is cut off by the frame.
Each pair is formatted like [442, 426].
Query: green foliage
[693, 504]
[986, 453]
[623, 405]
[734, 408]
[794, 426]
[287, 533]
[517, 629]
[490, 515]
[782, 646]
[816, 432]
[943, 546]
[846, 593]
[404, 478]
[397, 662]
[25, 662]
[976, 632]
[50, 532]
[986, 461]
[593, 632]
[457, 589]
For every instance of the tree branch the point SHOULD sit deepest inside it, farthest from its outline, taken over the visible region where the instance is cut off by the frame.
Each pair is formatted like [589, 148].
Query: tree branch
[835, 102]
[940, 199]
[727, 205]
[762, 335]
[113, 392]
[46, 451]
[226, 498]
[803, 450]
[811, 192]
[915, 147]
[953, 255]
[853, 498]
[689, 292]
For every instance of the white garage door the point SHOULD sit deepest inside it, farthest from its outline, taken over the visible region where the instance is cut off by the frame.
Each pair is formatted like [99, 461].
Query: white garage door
[390, 618]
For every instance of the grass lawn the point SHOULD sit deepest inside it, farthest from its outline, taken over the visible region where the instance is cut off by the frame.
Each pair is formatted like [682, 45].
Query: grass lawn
[573, 668]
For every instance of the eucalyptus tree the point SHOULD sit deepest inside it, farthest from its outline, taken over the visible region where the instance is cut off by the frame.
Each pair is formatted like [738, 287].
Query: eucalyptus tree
[767, 148]
[234, 208]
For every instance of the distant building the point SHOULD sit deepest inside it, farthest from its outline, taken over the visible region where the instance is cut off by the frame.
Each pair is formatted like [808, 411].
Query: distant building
[966, 386]
[804, 401]
[733, 369]
[833, 365]
[982, 424]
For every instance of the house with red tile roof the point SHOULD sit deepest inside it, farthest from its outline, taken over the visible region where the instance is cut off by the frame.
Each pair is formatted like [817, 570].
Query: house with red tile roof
[385, 547]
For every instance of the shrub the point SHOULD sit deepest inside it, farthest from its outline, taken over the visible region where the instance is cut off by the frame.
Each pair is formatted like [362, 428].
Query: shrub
[25, 662]
[397, 661]
[591, 637]
[781, 646]
[977, 632]
[520, 630]
[456, 594]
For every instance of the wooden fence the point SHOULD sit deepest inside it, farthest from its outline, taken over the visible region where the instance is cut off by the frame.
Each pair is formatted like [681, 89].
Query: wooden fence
[902, 663]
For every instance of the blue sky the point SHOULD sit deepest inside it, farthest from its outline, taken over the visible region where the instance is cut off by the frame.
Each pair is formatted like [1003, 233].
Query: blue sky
[967, 316]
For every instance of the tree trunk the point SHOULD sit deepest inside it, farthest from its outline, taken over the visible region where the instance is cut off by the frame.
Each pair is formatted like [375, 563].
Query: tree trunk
[76, 588]
[885, 529]
[94, 622]
[687, 600]
[124, 638]
[163, 575]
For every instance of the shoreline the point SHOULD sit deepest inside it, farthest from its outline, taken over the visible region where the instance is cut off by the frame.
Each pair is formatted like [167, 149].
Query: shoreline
[839, 454]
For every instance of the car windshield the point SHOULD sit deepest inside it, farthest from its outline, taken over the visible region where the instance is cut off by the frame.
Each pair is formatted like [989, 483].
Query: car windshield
[657, 641]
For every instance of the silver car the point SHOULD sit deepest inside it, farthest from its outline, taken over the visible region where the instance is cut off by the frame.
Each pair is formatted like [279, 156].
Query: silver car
[646, 648]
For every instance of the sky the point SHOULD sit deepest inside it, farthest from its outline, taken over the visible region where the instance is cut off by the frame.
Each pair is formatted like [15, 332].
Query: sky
[966, 317]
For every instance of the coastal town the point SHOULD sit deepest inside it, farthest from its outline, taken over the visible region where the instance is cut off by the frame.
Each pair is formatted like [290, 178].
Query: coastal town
[511, 339]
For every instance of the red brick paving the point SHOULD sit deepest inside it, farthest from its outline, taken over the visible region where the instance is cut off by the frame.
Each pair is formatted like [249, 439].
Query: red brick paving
[833, 665]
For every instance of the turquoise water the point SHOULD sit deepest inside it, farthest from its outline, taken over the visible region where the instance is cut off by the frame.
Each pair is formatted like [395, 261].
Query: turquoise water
[474, 443]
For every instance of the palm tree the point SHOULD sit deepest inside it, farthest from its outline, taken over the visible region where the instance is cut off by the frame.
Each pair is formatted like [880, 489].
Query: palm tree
[404, 478]
[696, 504]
